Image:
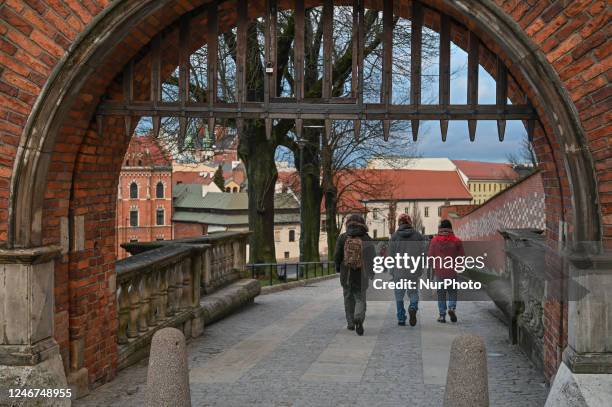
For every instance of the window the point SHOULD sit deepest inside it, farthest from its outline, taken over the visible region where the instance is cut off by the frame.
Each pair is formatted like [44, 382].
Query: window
[286, 255]
[227, 189]
[292, 235]
[375, 213]
[140, 163]
[375, 233]
[426, 211]
[127, 163]
[159, 190]
[277, 235]
[133, 240]
[160, 216]
[235, 190]
[159, 239]
[323, 225]
[407, 210]
[134, 217]
[133, 190]
[439, 211]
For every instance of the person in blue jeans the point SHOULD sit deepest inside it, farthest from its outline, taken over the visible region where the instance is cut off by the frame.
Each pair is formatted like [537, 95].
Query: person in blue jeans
[445, 244]
[406, 240]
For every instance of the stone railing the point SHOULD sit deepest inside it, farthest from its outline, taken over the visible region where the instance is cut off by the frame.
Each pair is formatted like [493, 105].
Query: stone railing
[525, 250]
[222, 263]
[157, 289]
[161, 285]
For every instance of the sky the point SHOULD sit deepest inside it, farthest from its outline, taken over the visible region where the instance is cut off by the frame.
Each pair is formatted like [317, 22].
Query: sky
[487, 146]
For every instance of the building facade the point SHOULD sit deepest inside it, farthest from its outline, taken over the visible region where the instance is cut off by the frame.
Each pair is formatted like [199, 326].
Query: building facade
[198, 212]
[144, 196]
[484, 179]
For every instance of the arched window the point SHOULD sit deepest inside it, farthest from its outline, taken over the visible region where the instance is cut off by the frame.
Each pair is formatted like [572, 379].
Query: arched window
[235, 190]
[159, 190]
[133, 190]
[292, 235]
[160, 216]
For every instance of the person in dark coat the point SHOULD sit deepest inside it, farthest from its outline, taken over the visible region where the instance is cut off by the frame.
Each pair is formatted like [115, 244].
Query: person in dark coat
[354, 278]
[406, 240]
[446, 244]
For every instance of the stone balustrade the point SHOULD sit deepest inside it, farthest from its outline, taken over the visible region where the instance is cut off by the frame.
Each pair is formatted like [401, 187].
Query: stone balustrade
[161, 285]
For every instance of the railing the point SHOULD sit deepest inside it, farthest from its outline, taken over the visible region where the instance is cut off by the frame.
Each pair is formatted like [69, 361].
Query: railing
[278, 273]
[222, 263]
[161, 283]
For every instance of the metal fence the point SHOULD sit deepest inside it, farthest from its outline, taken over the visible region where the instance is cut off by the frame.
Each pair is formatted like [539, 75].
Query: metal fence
[278, 273]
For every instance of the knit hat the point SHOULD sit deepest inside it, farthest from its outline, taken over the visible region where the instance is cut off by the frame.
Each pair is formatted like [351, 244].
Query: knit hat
[355, 219]
[404, 219]
[446, 224]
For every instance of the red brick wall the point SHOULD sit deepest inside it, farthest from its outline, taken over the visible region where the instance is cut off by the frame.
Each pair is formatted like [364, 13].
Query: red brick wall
[84, 169]
[184, 229]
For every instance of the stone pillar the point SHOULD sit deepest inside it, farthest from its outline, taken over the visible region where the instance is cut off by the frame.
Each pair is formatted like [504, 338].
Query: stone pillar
[589, 347]
[584, 377]
[29, 354]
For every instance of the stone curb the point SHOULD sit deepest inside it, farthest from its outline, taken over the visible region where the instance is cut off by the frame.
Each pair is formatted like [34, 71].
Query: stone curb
[294, 284]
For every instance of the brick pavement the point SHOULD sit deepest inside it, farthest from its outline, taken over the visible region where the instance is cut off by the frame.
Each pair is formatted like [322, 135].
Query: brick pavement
[303, 331]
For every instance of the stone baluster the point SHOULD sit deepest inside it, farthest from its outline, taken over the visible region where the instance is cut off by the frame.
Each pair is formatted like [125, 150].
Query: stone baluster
[154, 289]
[132, 331]
[145, 302]
[123, 312]
[163, 295]
[170, 273]
[187, 287]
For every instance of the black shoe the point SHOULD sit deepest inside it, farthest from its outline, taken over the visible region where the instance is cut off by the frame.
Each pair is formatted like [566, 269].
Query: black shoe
[350, 327]
[359, 328]
[401, 323]
[412, 312]
[452, 315]
[442, 319]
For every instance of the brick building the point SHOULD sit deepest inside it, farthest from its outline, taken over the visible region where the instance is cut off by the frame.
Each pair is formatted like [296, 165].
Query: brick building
[144, 196]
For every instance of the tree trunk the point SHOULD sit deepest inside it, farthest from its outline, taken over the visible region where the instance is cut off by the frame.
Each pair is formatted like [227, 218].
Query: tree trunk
[310, 197]
[257, 153]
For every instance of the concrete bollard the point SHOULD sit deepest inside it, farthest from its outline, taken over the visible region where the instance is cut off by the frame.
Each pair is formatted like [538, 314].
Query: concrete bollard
[467, 378]
[168, 376]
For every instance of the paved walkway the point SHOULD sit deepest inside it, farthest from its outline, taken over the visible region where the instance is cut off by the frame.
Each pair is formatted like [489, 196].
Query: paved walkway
[292, 349]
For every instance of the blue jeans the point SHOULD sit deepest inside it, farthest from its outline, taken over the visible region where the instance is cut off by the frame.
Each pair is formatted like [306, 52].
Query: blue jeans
[399, 302]
[442, 296]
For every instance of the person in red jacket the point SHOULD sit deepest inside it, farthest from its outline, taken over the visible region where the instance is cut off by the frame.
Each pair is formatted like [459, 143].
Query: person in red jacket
[446, 244]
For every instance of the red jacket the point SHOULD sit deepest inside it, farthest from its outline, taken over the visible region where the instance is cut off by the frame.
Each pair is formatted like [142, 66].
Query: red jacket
[445, 244]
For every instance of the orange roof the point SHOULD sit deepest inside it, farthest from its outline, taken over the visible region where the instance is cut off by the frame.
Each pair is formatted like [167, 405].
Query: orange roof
[356, 186]
[481, 170]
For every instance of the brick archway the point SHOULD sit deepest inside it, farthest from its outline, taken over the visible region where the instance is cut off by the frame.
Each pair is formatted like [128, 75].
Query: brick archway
[64, 170]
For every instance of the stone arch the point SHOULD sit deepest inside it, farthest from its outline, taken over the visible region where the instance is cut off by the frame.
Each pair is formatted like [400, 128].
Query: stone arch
[123, 28]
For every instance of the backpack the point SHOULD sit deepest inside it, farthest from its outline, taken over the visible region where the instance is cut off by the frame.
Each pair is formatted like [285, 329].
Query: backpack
[353, 248]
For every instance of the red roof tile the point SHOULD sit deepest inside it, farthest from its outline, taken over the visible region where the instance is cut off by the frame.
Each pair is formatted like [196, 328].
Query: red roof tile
[357, 185]
[480, 170]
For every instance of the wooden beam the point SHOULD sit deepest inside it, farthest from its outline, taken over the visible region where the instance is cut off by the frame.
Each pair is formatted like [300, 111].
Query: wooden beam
[387, 69]
[319, 111]
[357, 129]
[299, 127]
[355, 50]
[184, 36]
[445, 68]
[128, 95]
[241, 51]
[299, 50]
[472, 85]
[156, 119]
[530, 129]
[415, 61]
[360, 50]
[212, 41]
[501, 96]
[268, 123]
[328, 25]
[156, 69]
[270, 50]
[182, 132]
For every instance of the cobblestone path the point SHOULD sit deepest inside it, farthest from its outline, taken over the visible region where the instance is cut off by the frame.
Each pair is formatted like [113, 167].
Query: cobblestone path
[292, 349]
